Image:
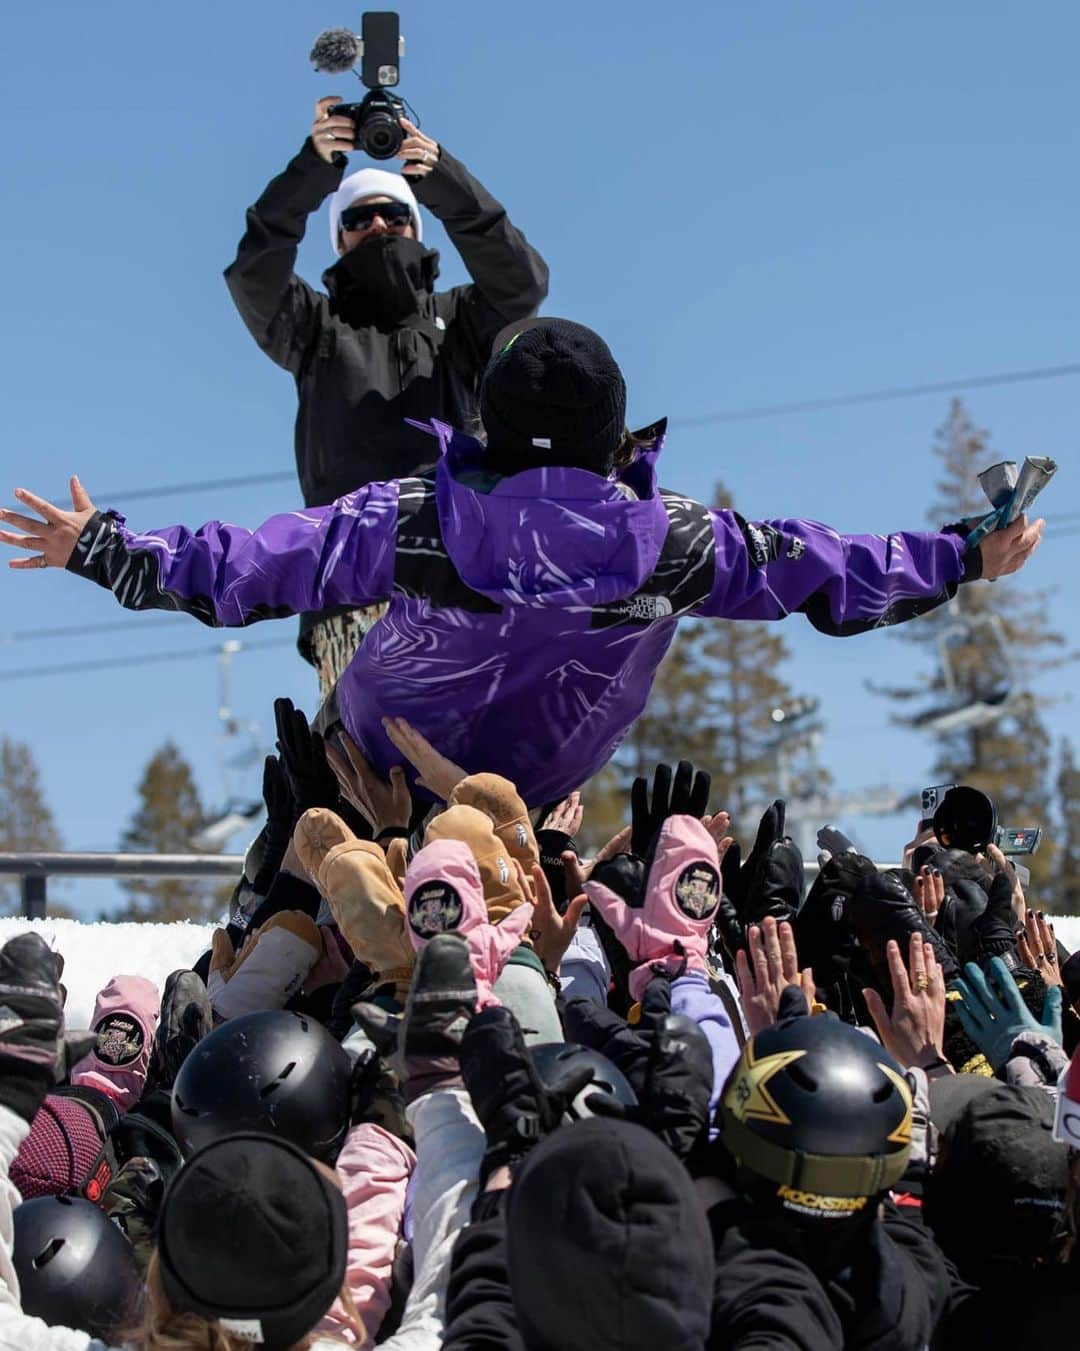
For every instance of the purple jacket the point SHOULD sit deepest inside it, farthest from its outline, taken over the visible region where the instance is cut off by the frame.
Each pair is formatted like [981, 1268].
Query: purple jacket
[527, 614]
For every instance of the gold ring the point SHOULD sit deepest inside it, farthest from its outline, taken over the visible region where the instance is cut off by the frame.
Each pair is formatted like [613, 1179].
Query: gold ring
[922, 983]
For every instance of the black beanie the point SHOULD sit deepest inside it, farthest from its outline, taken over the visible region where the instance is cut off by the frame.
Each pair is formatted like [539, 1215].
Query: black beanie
[552, 395]
[254, 1236]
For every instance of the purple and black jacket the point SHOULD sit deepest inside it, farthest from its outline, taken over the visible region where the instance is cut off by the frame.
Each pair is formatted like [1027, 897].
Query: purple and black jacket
[527, 614]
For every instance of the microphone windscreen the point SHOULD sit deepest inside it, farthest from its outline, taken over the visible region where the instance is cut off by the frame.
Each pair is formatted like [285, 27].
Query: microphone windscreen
[334, 51]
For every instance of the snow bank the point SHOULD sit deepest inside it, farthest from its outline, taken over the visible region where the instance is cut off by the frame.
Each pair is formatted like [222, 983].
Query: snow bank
[95, 952]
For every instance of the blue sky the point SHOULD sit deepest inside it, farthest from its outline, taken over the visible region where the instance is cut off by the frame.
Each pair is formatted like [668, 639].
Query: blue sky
[754, 203]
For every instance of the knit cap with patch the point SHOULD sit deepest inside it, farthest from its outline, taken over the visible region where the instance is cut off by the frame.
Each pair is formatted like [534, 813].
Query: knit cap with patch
[502, 890]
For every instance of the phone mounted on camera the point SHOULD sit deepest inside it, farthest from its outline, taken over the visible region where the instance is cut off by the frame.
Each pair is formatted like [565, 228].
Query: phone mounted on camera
[965, 818]
[379, 49]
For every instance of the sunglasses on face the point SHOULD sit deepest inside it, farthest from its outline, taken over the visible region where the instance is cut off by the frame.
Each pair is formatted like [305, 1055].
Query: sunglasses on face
[361, 217]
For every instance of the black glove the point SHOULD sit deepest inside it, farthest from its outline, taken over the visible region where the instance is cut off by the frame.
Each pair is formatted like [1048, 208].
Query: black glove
[770, 881]
[515, 1107]
[666, 1058]
[186, 1017]
[303, 755]
[824, 934]
[994, 932]
[281, 817]
[34, 1054]
[688, 795]
[883, 908]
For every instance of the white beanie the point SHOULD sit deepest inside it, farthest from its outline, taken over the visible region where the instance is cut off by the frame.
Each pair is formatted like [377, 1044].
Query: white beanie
[372, 183]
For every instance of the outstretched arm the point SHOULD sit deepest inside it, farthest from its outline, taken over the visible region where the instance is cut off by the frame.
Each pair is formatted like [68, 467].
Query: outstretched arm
[847, 584]
[224, 575]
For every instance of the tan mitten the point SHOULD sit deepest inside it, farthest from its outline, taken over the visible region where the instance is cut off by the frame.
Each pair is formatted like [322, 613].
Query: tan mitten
[498, 798]
[502, 890]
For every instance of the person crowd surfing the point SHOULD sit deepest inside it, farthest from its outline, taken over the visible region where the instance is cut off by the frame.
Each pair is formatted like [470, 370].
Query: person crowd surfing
[458, 1087]
[381, 345]
[545, 569]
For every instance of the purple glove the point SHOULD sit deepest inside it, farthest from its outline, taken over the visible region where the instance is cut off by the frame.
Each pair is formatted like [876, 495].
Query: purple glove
[682, 893]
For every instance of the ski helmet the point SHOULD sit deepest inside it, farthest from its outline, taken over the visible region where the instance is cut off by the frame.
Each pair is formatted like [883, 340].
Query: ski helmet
[272, 1071]
[75, 1268]
[551, 1058]
[819, 1108]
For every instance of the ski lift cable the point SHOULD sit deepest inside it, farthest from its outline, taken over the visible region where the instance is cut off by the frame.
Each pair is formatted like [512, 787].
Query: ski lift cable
[136, 659]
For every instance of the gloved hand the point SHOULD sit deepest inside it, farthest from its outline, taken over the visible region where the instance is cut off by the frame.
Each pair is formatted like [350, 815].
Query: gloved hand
[444, 894]
[995, 930]
[281, 815]
[824, 934]
[186, 1017]
[311, 780]
[34, 1053]
[666, 1058]
[682, 893]
[771, 880]
[883, 908]
[514, 1106]
[687, 795]
[993, 1012]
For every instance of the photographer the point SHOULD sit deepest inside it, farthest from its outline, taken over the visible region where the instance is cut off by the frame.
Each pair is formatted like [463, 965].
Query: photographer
[381, 345]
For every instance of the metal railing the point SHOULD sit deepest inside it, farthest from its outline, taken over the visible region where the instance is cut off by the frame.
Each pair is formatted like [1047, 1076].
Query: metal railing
[34, 870]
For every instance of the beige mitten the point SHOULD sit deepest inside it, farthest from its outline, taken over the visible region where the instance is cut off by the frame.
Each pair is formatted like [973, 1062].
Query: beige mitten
[269, 968]
[502, 890]
[498, 798]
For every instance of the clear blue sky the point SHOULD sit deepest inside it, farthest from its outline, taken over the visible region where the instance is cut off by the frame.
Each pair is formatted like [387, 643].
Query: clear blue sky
[755, 203]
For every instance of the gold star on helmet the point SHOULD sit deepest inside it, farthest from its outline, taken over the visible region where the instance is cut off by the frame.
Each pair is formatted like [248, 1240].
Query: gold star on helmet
[902, 1134]
[748, 1097]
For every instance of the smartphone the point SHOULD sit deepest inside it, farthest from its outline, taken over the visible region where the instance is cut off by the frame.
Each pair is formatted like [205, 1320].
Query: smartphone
[931, 799]
[1019, 840]
[382, 48]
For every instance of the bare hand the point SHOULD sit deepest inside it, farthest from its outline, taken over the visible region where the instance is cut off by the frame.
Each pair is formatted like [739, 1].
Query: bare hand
[420, 152]
[921, 837]
[54, 537]
[331, 134]
[382, 804]
[578, 871]
[1005, 551]
[551, 932]
[1038, 948]
[566, 816]
[771, 966]
[929, 893]
[435, 772]
[915, 1031]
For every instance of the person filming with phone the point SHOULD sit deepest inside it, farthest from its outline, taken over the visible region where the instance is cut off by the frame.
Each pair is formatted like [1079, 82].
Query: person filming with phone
[381, 344]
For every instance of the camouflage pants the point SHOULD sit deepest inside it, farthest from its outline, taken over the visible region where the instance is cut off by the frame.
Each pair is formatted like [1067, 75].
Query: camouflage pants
[335, 640]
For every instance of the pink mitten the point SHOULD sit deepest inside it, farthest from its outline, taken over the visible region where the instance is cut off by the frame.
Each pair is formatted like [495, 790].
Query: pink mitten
[125, 1019]
[444, 893]
[682, 892]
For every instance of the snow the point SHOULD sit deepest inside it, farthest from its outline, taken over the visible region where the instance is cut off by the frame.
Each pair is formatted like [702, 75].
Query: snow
[94, 953]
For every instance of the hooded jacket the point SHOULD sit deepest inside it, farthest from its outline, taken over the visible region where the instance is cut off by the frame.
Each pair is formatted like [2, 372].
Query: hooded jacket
[359, 374]
[528, 614]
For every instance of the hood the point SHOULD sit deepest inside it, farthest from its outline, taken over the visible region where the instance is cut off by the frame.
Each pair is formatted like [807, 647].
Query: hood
[608, 1246]
[548, 537]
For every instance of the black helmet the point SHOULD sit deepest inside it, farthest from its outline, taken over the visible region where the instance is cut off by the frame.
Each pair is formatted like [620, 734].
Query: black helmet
[75, 1268]
[819, 1108]
[551, 1058]
[276, 1072]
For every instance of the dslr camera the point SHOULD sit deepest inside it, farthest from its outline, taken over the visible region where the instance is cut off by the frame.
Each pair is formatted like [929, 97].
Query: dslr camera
[377, 118]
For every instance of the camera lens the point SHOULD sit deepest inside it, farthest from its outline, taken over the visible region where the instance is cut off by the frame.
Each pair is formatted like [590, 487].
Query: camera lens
[382, 135]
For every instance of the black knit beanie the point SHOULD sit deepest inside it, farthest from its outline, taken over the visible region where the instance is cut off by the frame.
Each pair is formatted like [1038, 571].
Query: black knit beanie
[552, 395]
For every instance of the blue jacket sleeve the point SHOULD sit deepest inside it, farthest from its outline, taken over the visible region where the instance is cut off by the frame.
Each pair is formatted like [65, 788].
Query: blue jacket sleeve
[844, 584]
[227, 576]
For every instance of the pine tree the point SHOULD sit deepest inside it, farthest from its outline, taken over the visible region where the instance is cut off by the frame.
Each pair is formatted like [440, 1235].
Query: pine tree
[1067, 891]
[985, 645]
[26, 823]
[712, 703]
[169, 814]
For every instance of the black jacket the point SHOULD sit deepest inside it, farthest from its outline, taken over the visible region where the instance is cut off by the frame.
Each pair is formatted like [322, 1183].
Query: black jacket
[357, 382]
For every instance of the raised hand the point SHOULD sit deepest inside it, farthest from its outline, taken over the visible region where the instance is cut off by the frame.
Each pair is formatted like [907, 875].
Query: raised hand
[383, 804]
[763, 975]
[434, 771]
[53, 538]
[914, 1032]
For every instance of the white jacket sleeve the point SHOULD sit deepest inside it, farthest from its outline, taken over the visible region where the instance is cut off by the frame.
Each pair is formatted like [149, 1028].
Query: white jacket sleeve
[18, 1331]
[449, 1149]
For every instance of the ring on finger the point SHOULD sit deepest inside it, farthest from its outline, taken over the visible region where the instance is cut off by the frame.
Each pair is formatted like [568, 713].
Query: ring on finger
[922, 982]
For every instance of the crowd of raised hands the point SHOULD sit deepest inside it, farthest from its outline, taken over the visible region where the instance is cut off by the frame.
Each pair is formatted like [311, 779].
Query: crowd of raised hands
[443, 1081]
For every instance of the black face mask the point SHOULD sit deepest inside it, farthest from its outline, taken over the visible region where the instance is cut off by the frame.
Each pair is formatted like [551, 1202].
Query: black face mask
[383, 280]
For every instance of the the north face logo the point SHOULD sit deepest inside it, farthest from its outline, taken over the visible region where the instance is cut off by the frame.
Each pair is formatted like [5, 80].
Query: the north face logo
[646, 607]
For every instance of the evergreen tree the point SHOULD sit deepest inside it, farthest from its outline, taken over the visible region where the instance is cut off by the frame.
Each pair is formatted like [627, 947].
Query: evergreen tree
[712, 703]
[169, 814]
[1067, 891]
[26, 823]
[985, 646]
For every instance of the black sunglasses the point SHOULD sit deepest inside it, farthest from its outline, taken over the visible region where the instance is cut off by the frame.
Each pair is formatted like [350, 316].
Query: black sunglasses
[360, 217]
